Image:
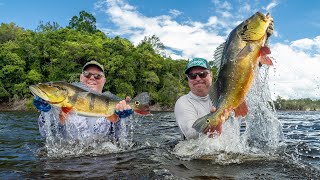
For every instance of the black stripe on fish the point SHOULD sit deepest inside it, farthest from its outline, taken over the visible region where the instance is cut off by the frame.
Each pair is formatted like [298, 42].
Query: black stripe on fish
[92, 100]
[73, 99]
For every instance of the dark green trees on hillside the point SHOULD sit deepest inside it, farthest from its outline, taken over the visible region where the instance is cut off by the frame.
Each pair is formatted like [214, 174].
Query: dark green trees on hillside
[85, 22]
[53, 53]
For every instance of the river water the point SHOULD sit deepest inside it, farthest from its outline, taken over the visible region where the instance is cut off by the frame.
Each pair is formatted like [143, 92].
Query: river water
[264, 145]
[156, 152]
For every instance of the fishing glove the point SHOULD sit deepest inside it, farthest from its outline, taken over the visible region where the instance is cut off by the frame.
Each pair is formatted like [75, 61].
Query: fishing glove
[41, 105]
[125, 113]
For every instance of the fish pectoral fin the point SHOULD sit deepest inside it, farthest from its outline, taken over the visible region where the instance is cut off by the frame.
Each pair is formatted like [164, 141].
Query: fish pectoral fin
[264, 51]
[113, 118]
[62, 117]
[241, 110]
[245, 51]
[264, 58]
[64, 112]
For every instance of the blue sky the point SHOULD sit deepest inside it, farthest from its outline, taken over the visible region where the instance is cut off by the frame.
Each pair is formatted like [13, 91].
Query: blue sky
[194, 28]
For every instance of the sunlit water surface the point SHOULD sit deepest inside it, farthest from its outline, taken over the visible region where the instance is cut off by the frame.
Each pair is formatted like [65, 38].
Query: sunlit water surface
[264, 145]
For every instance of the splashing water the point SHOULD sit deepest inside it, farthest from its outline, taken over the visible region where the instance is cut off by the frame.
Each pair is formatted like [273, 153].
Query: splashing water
[264, 130]
[69, 140]
[258, 135]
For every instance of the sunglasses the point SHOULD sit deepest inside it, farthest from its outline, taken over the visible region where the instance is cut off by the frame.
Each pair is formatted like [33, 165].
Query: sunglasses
[89, 74]
[202, 74]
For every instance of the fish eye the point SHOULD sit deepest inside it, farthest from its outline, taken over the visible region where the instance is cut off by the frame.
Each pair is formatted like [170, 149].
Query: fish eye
[137, 103]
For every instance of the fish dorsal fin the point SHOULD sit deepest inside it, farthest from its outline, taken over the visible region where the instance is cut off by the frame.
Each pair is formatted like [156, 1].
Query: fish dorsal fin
[111, 96]
[85, 88]
[218, 57]
[214, 94]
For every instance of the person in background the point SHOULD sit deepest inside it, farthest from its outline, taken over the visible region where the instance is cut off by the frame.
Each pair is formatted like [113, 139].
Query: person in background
[197, 102]
[79, 126]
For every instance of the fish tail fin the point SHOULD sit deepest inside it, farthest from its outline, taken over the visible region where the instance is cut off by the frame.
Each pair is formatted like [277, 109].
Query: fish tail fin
[202, 124]
[141, 103]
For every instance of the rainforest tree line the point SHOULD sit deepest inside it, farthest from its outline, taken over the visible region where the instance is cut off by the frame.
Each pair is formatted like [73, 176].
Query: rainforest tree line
[297, 104]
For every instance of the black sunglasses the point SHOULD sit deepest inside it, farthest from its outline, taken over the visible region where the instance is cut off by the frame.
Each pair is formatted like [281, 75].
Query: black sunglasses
[202, 74]
[89, 74]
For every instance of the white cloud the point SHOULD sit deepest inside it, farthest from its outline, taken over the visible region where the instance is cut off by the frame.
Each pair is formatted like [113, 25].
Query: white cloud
[295, 73]
[223, 5]
[245, 8]
[175, 12]
[307, 44]
[213, 20]
[193, 39]
[271, 5]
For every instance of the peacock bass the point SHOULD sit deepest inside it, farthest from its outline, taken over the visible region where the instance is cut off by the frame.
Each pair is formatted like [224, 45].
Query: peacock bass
[237, 60]
[84, 101]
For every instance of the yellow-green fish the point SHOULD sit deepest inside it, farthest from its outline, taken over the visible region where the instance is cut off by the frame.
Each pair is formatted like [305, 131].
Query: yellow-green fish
[81, 99]
[237, 60]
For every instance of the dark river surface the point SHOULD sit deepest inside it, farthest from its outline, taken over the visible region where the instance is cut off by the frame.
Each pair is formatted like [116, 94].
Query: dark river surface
[287, 149]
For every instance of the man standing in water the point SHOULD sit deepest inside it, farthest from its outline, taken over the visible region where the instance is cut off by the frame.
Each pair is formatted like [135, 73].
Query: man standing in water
[197, 102]
[79, 126]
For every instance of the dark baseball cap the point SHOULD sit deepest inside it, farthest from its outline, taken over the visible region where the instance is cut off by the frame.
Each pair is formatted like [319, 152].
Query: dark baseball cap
[197, 62]
[93, 63]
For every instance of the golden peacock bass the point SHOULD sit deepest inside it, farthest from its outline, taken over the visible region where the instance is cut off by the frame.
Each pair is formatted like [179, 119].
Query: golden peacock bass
[81, 99]
[237, 60]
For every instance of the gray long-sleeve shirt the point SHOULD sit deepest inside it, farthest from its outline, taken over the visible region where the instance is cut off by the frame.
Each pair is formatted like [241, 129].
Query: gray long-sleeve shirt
[188, 109]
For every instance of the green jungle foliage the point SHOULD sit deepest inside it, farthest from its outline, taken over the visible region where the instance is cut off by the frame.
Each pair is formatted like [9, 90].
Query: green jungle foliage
[52, 53]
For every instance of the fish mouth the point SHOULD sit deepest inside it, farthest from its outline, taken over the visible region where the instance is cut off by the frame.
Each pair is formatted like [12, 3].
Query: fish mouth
[144, 110]
[36, 91]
